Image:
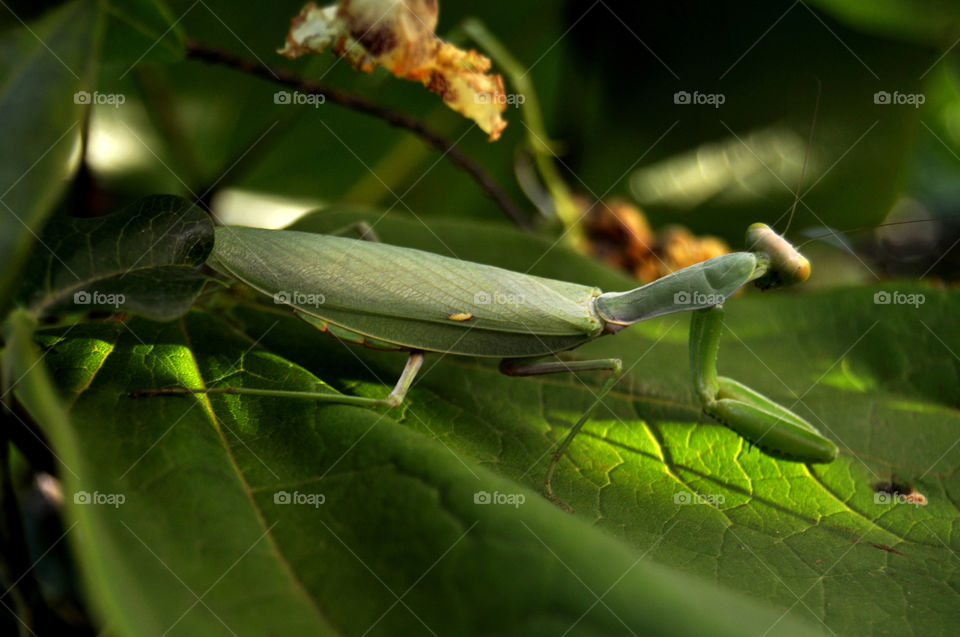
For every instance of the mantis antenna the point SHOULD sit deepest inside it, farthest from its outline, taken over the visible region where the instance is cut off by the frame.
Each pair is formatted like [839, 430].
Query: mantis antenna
[803, 170]
[806, 155]
[837, 233]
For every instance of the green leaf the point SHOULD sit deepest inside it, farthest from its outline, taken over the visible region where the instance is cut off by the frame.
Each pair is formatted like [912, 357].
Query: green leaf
[143, 259]
[199, 475]
[730, 166]
[141, 31]
[925, 21]
[21, 369]
[191, 499]
[44, 68]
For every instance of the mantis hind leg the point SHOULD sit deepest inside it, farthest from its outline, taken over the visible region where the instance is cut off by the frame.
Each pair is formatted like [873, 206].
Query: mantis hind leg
[394, 399]
[762, 422]
[513, 367]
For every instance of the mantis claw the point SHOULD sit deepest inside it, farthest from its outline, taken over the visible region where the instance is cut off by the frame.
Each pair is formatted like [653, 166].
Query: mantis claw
[760, 421]
[549, 495]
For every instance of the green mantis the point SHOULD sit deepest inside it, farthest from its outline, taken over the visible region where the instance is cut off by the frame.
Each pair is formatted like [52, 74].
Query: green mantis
[401, 299]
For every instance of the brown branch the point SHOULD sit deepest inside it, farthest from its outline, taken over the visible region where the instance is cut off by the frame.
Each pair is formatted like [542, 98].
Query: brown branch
[213, 55]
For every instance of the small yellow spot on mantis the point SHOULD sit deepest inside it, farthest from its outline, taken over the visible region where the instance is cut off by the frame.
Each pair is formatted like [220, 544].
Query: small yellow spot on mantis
[460, 316]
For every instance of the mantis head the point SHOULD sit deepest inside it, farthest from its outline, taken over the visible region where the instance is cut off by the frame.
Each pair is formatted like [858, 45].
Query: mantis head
[785, 265]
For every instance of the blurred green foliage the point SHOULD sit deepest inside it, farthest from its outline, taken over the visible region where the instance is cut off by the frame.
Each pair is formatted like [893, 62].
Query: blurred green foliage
[612, 78]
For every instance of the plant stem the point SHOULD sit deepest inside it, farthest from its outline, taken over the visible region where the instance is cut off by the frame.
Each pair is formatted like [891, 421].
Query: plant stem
[213, 55]
[538, 141]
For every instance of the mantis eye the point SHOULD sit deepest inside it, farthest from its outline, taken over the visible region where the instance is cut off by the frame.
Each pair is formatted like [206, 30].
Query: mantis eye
[787, 265]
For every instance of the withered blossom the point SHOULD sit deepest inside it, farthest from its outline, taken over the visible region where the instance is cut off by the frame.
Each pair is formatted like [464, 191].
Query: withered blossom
[398, 35]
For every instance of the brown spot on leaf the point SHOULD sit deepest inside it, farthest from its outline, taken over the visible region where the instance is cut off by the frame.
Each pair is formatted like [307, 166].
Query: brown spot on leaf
[901, 490]
[884, 547]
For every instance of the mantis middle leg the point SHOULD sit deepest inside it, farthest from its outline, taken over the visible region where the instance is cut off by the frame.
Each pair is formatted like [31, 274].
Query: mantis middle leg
[514, 367]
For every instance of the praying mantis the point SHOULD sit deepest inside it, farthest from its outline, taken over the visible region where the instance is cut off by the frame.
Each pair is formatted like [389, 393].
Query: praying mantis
[392, 298]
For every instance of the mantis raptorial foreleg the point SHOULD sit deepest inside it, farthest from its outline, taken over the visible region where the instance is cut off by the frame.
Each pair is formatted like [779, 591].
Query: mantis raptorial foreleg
[394, 399]
[761, 421]
[513, 367]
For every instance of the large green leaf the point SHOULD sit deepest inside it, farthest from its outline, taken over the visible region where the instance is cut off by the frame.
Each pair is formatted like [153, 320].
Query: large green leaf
[201, 478]
[144, 259]
[200, 485]
[21, 363]
[43, 70]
